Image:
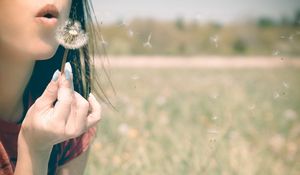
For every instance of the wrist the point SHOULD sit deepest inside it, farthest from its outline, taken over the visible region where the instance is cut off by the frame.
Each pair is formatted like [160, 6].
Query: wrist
[31, 159]
[35, 145]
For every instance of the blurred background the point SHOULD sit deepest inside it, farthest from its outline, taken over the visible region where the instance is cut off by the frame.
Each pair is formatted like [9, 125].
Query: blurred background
[199, 87]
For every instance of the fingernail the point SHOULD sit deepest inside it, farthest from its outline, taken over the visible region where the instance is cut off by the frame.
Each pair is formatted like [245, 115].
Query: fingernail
[55, 75]
[68, 74]
[68, 71]
[68, 67]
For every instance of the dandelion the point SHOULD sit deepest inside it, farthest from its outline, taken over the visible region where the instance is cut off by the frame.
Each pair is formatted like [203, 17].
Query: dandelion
[71, 36]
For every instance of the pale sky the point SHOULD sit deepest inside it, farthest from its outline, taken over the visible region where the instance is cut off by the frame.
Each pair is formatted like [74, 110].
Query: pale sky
[201, 10]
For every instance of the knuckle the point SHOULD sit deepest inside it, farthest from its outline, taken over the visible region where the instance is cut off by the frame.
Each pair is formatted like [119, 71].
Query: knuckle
[84, 104]
[38, 103]
[51, 90]
[71, 133]
[67, 100]
[97, 117]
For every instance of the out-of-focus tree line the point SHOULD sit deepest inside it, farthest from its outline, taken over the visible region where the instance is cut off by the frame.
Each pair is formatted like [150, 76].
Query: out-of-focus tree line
[263, 36]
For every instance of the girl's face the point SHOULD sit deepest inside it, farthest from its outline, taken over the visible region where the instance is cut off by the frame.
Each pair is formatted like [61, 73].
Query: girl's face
[23, 33]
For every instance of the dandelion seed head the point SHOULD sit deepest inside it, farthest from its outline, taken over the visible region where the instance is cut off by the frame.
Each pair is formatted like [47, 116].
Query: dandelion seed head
[70, 35]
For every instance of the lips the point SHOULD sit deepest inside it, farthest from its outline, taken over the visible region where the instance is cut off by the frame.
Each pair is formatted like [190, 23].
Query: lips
[48, 15]
[49, 11]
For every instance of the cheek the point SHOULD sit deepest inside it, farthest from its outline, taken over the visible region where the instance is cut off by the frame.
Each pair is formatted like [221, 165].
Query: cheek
[43, 44]
[28, 39]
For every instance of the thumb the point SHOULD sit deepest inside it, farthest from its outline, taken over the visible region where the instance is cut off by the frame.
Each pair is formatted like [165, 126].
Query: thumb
[49, 95]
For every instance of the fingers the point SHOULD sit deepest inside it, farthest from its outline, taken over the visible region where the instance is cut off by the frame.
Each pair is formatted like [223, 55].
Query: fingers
[71, 111]
[65, 95]
[77, 124]
[82, 121]
[50, 93]
[95, 116]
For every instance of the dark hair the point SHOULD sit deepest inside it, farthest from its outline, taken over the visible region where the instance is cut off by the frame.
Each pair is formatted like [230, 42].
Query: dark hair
[82, 61]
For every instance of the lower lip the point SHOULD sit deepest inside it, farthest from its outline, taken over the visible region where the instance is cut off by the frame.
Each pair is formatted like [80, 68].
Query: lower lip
[49, 22]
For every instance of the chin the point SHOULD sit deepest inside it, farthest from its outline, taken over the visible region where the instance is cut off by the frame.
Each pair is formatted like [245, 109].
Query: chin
[44, 52]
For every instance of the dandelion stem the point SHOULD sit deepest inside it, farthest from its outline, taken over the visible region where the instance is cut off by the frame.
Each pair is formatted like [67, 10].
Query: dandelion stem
[64, 61]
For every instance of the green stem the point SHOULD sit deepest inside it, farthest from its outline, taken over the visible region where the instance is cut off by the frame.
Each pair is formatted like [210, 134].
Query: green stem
[64, 61]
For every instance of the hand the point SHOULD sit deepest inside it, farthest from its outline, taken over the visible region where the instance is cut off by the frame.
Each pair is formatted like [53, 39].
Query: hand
[47, 124]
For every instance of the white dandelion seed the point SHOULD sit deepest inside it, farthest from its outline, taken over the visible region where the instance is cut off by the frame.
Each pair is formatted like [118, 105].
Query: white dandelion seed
[123, 23]
[70, 36]
[215, 95]
[103, 41]
[130, 33]
[251, 107]
[291, 37]
[275, 95]
[215, 117]
[215, 40]
[135, 77]
[275, 53]
[212, 131]
[101, 20]
[147, 43]
[123, 128]
[285, 85]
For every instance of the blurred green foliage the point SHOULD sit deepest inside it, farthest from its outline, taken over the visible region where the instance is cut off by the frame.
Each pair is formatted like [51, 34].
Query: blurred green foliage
[200, 121]
[257, 37]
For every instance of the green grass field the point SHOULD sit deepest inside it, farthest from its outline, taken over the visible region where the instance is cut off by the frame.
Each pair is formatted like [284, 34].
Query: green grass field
[193, 121]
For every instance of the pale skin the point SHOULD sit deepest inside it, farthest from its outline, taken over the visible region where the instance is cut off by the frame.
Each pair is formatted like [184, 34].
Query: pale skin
[22, 42]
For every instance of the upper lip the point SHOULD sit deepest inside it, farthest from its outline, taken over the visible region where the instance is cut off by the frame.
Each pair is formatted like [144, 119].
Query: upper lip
[48, 11]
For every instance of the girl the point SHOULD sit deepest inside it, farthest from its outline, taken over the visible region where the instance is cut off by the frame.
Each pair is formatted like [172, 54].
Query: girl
[47, 118]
